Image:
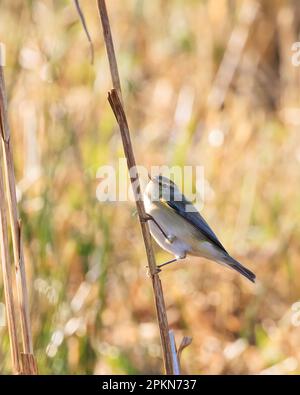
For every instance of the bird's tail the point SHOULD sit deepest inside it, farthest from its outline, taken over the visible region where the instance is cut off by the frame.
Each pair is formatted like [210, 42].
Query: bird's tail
[233, 264]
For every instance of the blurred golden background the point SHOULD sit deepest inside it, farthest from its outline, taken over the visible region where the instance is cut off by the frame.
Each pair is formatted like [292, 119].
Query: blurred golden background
[207, 83]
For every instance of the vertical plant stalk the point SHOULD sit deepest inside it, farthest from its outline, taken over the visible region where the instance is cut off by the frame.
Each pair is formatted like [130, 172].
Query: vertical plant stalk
[109, 44]
[118, 110]
[7, 281]
[28, 361]
[174, 353]
[114, 97]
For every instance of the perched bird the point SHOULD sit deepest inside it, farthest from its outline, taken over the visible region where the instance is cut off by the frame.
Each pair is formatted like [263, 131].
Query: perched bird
[178, 227]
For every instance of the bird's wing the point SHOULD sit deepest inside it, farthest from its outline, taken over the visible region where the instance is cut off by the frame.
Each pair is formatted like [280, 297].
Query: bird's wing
[195, 219]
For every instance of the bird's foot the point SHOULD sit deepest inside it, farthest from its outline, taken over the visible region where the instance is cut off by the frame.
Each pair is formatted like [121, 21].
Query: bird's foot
[158, 270]
[147, 217]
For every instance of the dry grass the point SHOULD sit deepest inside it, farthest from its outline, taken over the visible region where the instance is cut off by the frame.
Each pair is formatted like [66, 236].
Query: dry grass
[23, 360]
[91, 304]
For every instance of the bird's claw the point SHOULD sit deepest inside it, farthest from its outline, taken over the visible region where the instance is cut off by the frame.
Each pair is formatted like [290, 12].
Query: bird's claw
[158, 270]
[146, 218]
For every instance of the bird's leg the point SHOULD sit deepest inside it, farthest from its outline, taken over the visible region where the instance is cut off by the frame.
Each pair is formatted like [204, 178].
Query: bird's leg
[158, 267]
[167, 263]
[178, 258]
[149, 217]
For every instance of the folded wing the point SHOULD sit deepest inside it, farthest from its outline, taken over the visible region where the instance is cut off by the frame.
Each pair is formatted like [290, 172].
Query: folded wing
[195, 219]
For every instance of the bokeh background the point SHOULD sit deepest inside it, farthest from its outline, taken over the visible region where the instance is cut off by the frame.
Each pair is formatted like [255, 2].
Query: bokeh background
[206, 83]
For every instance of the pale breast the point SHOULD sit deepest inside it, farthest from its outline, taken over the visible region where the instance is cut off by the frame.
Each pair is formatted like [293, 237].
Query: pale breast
[165, 218]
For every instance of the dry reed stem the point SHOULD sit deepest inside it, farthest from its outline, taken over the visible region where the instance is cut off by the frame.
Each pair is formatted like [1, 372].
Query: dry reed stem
[23, 302]
[114, 97]
[118, 110]
[83, 22]
[7, 281]
[109, 44]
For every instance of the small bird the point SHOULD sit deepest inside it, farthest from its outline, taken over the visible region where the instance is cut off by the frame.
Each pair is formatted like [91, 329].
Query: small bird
[178, 227]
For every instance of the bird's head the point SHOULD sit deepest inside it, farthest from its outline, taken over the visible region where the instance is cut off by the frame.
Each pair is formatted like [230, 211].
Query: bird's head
[162, 188]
